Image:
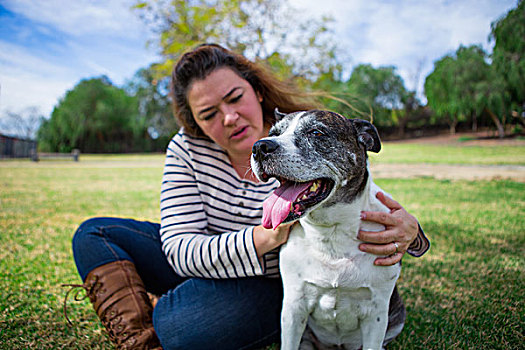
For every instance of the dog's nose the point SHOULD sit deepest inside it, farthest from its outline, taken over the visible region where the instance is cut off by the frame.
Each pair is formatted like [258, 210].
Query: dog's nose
[262, 148]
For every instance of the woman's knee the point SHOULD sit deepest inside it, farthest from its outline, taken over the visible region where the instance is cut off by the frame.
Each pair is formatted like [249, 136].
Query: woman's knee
[91, 248]
[84, 231]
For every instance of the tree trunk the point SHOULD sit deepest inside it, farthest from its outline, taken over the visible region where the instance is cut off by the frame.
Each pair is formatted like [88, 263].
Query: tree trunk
[474, 122]
[452, 127]
[402, 126]
[452, 122]
[499, 126]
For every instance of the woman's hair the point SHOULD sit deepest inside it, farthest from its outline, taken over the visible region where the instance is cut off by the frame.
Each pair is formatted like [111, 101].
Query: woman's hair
[204, 59]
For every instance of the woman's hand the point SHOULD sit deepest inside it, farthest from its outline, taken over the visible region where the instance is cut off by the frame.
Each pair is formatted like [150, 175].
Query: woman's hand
[401, 230]
[266, 240]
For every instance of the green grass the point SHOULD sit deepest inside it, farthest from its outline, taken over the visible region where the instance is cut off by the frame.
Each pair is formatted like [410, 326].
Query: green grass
[410, 153]
[466, 293]
[40, 207]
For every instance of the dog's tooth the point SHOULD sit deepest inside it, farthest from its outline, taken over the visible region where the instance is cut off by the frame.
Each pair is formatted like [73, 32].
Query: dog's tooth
[314, 187]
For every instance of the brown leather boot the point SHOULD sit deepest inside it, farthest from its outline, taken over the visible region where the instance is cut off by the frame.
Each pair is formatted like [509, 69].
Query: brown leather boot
[122, 304]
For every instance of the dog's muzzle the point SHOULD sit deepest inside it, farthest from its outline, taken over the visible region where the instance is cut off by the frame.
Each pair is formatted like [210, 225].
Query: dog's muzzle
[291, 200]
[262, 148]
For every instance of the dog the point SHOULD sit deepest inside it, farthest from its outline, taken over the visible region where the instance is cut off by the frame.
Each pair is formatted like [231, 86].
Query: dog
[331, 288]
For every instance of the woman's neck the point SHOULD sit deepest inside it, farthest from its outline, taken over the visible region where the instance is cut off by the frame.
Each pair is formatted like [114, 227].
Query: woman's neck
[241, 161]
[242, 167]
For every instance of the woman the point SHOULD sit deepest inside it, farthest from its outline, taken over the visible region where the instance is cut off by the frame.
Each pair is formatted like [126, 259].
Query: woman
[210, 259]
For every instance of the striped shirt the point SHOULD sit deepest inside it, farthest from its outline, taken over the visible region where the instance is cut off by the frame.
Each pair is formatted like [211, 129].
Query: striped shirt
[208, 213]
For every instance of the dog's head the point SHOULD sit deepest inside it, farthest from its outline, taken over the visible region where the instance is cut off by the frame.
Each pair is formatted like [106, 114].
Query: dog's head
[320, 159]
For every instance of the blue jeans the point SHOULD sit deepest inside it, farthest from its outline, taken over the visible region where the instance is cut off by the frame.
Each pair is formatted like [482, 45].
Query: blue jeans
[193, 313]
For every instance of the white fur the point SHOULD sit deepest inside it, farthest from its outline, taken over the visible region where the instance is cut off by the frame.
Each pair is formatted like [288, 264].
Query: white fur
[286, 139]
[332, 285]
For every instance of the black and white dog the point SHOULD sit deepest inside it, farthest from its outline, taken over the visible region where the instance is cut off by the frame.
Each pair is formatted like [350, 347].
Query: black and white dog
[320, 159]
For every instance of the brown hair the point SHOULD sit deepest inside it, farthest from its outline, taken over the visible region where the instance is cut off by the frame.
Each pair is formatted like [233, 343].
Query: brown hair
[204, 59]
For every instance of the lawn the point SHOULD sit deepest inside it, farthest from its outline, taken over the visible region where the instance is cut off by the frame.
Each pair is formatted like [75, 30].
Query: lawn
[410, 153]
[468, 292]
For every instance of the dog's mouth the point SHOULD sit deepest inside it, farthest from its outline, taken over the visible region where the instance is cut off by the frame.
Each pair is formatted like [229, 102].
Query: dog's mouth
[291, 200]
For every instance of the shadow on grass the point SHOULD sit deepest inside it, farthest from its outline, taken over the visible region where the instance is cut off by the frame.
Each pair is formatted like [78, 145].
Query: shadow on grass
[464, 295]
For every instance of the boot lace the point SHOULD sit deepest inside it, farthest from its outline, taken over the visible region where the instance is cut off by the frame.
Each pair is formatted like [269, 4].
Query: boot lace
[90, 288]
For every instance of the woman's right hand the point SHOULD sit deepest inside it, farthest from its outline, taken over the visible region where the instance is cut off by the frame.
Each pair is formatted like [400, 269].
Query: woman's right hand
[266, 240]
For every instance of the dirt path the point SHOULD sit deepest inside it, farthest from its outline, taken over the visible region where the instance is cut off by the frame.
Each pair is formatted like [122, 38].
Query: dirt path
[448, 171]
[466, 139]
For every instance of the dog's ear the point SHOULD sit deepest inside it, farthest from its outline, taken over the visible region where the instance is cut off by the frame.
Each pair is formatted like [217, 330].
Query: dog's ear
[278, 115]
[367, 135]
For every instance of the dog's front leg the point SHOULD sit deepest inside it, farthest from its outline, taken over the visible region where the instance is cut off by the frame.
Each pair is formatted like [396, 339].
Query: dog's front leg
[373, 328]
[294, 316]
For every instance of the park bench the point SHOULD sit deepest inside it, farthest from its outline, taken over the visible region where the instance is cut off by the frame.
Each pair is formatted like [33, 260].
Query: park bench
[74, 155]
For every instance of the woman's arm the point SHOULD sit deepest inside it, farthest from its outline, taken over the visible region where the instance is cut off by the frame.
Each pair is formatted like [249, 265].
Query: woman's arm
[191, 249]
[266, 240]
[401, 229]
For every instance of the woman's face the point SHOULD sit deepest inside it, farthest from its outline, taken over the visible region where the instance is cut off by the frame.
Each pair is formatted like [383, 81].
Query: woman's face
[228, 110]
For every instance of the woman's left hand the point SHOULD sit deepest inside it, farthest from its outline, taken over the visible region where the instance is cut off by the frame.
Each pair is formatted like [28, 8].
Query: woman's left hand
[401, 230]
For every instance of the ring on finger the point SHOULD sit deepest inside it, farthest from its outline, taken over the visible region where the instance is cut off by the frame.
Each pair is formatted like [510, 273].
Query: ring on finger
[397, 248]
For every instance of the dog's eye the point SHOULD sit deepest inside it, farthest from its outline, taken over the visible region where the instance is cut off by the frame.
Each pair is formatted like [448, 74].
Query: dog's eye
[316, 132]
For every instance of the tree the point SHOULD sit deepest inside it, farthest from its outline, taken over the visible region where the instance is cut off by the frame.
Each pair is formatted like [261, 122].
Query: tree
[508, 56]
[378, 90]
[412, 104]
[336, 98]
[94, 116]
[258, 29]
[23, 124]
[440, 89]
[463, 85]
[153, 103]
[473, 75]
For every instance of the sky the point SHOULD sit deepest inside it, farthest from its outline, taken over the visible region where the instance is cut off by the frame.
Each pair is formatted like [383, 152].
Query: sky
[47, 47]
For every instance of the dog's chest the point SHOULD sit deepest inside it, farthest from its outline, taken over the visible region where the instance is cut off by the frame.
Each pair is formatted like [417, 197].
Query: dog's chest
[330, 279]
[338, 292]
[336, 311]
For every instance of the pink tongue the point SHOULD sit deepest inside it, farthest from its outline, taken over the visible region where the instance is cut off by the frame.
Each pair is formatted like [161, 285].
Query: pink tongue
[277, 207]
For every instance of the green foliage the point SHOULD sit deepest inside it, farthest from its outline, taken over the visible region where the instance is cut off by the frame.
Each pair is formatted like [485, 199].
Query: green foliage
[379, 90]
[96, 116]
[90, 115]
[466, 85]
[382, 85]
[439, 89]
[508, 55]
[154, 105]
[258, 29]
[458, 87]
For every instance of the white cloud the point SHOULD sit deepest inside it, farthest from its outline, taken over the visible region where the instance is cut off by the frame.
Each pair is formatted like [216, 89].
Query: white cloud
[26, 89]
[404, 33]
[80, 17]
[86, 38]
[22, 59]
[28, 80]
[65, 42]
